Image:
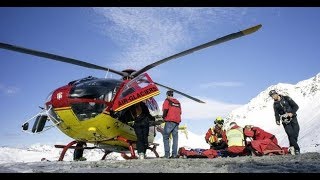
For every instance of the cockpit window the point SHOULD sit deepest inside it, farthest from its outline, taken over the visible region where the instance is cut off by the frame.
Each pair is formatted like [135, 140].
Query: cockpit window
[136, 90]
[48, 99]
[87, 110]
[95, 88]
[137, 83]
[93, 94]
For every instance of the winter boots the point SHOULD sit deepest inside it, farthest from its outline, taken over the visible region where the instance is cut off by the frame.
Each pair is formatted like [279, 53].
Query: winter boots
[142, 156]
[291, 150]
[81, 159]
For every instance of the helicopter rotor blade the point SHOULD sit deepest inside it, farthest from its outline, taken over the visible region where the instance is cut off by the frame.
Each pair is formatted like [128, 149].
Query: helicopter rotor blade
[181, 93]
[58, 58]
[197, 48]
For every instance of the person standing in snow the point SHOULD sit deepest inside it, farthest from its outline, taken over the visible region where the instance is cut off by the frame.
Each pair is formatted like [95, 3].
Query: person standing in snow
[172, 116]
[285, 110]
[214, 135]
[141, 128]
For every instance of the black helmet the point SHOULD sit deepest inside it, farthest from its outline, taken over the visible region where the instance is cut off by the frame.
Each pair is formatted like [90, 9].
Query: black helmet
[272, 92]
[170, 93]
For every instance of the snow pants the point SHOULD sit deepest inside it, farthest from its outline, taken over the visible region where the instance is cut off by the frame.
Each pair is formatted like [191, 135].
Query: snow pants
[292, 130]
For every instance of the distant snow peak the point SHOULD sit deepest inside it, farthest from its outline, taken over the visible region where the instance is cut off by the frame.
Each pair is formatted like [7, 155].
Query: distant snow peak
[259, 112]
[40, 147]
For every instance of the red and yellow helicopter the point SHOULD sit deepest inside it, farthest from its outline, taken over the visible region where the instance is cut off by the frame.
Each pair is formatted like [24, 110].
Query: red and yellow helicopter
[97, 110]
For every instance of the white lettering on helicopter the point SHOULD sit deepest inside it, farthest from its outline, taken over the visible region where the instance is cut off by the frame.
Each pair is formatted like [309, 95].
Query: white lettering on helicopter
[137, 96]
[59, 95]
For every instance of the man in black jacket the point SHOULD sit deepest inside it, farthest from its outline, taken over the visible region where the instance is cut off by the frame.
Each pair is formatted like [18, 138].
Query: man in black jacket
[141, 127]
[285, 110]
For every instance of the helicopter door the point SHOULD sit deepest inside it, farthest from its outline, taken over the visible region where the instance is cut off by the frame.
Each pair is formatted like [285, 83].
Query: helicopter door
[138, 89]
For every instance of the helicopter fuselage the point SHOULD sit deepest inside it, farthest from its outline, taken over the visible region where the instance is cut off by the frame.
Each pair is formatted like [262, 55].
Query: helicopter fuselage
[83, 110]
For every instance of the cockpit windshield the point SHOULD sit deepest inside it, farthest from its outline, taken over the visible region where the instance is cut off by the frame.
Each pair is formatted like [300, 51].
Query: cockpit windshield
[95, 88]
[95, 93]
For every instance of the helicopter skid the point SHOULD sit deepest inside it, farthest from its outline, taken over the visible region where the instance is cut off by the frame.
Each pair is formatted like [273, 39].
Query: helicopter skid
[152, 147]
[69, 146]
[133, 155]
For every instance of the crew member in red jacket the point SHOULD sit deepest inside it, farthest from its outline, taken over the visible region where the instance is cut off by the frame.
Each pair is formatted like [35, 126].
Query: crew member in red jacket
[172, 116]
[257, 133]
[214, 135]
[263, 143]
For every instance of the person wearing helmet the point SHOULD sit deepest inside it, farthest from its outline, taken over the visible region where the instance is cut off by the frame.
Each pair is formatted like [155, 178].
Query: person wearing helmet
[285, 110]
[214, 135]
[172, 117]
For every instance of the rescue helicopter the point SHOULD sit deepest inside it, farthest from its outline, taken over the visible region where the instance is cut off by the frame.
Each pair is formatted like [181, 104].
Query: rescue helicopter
[97, 110]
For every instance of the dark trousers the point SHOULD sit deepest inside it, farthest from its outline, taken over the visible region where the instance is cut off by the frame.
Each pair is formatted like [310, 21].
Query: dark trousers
[142, 131]
[78, 153]
[292, 130]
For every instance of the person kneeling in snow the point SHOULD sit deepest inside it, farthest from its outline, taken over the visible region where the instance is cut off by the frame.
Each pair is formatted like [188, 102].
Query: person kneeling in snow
[236, 141]
[262, 142]
[257, 133]
[214, 135]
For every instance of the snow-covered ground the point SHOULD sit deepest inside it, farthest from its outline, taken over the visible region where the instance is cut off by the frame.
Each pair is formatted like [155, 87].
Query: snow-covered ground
[306, 163]
[257, 112]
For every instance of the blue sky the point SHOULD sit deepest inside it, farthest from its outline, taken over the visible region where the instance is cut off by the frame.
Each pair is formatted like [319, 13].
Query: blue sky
[285, 49]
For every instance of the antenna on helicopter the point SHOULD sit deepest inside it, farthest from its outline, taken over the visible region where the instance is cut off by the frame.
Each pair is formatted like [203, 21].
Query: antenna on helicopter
[106, 74]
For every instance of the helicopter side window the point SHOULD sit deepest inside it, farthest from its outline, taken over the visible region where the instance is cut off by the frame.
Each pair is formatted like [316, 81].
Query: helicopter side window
[110, 95]
[87, 110]
[135, 84]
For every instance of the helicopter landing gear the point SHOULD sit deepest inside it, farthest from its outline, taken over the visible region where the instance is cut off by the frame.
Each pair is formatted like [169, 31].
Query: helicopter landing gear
[123, 154]
[77, 155]
[154, 149]
[65, 148]
[133, 155]
[105, 154]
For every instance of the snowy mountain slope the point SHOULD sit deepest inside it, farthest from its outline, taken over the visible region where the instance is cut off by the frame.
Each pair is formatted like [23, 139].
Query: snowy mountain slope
[259, 112]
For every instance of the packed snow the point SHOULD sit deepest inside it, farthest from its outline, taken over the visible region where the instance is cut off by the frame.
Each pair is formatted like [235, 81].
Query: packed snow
[258, 112]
